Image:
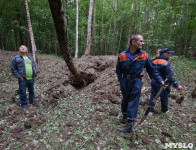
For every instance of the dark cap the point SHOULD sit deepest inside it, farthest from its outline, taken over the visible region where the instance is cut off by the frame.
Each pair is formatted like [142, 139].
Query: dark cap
[166, 50]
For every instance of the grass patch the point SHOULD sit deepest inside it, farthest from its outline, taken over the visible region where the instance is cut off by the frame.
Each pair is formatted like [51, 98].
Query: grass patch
[184, 69]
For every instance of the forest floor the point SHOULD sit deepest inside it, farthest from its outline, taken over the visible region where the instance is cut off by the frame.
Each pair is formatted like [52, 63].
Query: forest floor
[66, 117]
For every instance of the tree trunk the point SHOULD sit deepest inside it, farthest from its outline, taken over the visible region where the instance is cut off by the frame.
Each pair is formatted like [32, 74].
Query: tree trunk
[57, 10]
[121, 29]
[145, 18]
[1, 40]
[2, 7]
[177, 45]
[108, 40]
[194, 53]
[94, 30]
[77, 12]
[20, 31]
[151, 33]
[181, 24]
[151, 16]
[191, 45]
[169, 20]
[102, 29]
[114, 32]
[130, 24]
[186, 34]
[87, 52]
[138, 14]
[31, 32]
[14, 35]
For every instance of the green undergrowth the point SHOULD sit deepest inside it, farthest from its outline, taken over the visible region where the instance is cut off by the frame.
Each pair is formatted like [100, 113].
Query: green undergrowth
[185, 69]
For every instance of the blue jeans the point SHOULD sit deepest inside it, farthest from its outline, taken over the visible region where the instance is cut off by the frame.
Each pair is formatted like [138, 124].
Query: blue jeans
[131, 98]
[22, 92]
[164, 95]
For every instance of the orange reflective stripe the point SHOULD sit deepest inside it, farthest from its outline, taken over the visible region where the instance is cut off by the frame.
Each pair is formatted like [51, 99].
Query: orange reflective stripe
[160, 61]
[142, 56]
[123, 56]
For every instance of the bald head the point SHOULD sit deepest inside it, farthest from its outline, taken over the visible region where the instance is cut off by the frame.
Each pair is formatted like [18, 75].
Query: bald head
[135, 37]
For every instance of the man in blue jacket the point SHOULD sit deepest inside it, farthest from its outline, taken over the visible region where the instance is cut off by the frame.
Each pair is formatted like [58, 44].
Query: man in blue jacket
[24, 69]
[164, 67]
[129, 66]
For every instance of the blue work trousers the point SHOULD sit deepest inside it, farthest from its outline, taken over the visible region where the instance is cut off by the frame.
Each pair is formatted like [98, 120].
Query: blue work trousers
[131, 91]
[155, 86]
[22, 91]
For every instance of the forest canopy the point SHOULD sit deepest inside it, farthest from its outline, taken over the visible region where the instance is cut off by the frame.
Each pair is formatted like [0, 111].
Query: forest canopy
[165, 23]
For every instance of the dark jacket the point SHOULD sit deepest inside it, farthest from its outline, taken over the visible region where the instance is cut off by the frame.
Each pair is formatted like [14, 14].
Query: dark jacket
[165, 69]
[126, 66]
[18, 67]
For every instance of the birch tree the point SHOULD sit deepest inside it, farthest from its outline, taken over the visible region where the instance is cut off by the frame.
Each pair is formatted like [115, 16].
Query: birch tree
[145, 18]
[34, 49]
[121, 29]
[77, 14]
[130, 24]
[88, 44]
[137, 17]
[114, 32]
[102, 29]
[94, 30]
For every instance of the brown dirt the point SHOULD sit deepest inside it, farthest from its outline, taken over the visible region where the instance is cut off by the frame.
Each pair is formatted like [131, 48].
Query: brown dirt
[54, 84]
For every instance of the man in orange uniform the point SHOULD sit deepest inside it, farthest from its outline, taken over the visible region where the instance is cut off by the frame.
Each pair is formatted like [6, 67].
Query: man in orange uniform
[129, 67]
[164, 66]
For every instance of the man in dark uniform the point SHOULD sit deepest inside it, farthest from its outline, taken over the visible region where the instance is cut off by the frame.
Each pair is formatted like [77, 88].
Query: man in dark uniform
[165, 69]
[129, 67]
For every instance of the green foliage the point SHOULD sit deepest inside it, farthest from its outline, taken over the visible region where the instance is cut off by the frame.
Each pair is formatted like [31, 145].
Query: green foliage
[165, 25]
[185, 69]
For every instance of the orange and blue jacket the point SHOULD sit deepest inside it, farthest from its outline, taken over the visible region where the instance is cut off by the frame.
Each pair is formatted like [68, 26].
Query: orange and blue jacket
[164, 67]
[126, 66]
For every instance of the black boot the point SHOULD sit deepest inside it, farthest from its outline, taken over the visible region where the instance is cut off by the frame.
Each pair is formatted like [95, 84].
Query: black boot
[127, 128]
[123, 120]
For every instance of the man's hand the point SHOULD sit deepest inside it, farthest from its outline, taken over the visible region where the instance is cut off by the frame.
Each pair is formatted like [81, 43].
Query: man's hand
[21, 79]
[163, 84]
[180, 88]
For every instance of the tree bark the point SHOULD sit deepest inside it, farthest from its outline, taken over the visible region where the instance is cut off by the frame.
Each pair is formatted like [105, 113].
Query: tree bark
[121, 29]
[77, 12]
[138, 14]
[94, 30]
[177, 45]
[181, 24]
[20, 31]
[191, 45]
[31, 32]
[130, 24]
[151, 33]
[145, 18]
[186, 34]
[102, 29]
[87, 52]
[14, 35]
[108, 40]
[57, 10]
[114, 32]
